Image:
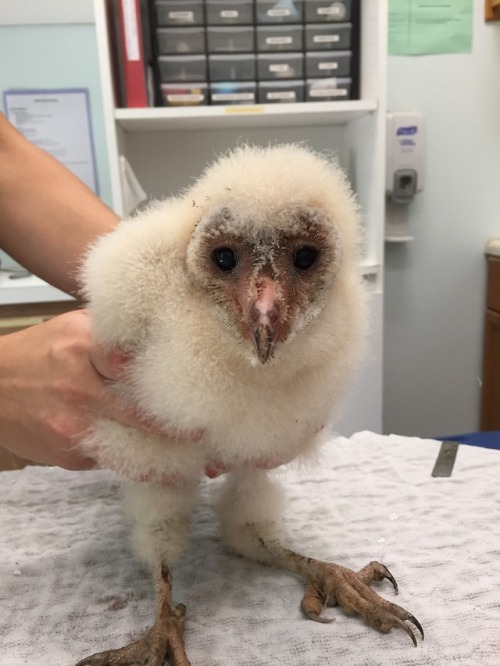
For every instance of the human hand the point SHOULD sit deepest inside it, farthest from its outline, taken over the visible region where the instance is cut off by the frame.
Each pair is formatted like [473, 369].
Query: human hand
[54, 382]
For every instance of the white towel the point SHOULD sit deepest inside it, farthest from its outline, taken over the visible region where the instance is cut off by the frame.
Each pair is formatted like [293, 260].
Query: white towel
[69, 585]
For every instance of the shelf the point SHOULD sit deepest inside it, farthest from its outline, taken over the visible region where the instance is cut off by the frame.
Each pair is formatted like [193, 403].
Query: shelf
[28, 290]
[258, 115]
[399, 239]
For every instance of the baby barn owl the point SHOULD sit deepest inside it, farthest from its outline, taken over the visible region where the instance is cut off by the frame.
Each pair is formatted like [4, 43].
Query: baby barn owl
[242, 307]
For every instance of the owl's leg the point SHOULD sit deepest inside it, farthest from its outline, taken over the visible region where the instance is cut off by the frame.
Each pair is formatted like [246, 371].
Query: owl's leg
[250, 508]
[161, 528]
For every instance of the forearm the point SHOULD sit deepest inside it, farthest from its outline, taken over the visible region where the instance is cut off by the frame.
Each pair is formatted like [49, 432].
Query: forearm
[47, 215]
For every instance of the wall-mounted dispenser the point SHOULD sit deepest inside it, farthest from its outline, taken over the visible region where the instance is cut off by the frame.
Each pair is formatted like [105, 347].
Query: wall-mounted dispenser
[405, 155]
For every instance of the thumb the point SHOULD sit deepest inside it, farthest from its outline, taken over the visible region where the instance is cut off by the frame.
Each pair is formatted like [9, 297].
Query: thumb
[111, 365]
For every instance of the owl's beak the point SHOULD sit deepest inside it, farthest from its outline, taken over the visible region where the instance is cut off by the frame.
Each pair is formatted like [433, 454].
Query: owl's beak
[265, 322]
[264, 339]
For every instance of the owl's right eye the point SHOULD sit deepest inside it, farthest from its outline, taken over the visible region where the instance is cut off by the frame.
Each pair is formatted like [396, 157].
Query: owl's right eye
[224, 258]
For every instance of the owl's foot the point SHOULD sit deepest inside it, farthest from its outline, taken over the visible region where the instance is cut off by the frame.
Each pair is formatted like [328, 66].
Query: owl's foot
[164, 639]
[332, 584]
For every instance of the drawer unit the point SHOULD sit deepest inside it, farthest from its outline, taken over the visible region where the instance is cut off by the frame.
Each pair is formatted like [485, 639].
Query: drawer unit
[179, 12]
[312, 43]
[180, 40]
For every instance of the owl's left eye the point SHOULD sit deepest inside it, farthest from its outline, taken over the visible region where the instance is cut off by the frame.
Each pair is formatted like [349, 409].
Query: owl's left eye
[305, 257]
[224, 258]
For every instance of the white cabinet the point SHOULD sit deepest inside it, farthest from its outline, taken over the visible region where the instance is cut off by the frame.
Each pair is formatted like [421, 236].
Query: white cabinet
[168, 147]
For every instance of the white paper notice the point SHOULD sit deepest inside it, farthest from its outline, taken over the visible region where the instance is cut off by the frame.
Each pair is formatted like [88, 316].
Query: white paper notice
[59, 122]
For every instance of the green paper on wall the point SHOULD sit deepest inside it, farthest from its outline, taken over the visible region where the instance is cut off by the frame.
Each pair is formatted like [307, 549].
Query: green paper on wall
[424, 27]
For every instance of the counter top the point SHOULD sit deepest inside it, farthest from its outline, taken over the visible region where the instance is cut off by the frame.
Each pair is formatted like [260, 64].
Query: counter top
[28, 290]
[493, 247]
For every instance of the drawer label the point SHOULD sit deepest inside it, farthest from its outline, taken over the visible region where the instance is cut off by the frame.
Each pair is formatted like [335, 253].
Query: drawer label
[185, 97]
[337, 10]
[233, 97]
[229, 13]
[328, 92]
[278, 12]
[285, 94]
[325, 39]
[281, 69]
[181, 16]
[328, 65]
[279, 40]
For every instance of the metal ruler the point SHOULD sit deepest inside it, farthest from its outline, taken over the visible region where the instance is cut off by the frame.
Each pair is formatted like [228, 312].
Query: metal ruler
[446, 459]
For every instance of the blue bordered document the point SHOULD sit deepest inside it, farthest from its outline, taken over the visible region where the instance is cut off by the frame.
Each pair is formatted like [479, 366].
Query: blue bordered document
[58, 121]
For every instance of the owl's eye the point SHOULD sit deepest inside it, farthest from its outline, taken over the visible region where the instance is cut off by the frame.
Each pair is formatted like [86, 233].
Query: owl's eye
[305, 257]
[224, 258]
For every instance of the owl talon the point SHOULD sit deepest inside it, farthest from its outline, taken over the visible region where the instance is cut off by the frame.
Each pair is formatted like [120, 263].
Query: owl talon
[164, 640]
[352, 592]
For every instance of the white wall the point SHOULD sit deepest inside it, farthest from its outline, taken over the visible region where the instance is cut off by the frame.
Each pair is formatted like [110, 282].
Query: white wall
[52, 44]
[435, 286]
[19, 12]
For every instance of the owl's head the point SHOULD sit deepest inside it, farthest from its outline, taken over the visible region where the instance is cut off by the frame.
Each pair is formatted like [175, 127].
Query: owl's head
[274, 228]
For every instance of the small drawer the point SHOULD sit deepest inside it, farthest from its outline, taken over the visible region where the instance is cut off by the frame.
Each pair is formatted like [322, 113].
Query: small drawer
[229, 12]
[180, 40]
[179, 12]
[280, 92]
[274, 11]
[233, 93]
[193, 94]
[230, 40]
[183, 68]
[318, 11]
[327, 90]
[328, 64]
[280, 38]
[280, 66]
[328, 36]
[240, 67]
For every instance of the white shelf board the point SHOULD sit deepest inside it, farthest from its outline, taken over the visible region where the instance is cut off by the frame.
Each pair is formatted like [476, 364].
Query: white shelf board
[28, 290]
[258, 115]
[369, 268]
[399, 239]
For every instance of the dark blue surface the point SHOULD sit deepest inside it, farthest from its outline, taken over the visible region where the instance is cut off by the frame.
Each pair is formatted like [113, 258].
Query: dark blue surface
[489, 439]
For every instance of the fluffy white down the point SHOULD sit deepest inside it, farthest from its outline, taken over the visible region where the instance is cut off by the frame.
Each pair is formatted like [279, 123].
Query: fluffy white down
[189, 371]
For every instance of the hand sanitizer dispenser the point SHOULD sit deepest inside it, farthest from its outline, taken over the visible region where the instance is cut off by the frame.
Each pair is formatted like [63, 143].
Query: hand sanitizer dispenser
[405, 155]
